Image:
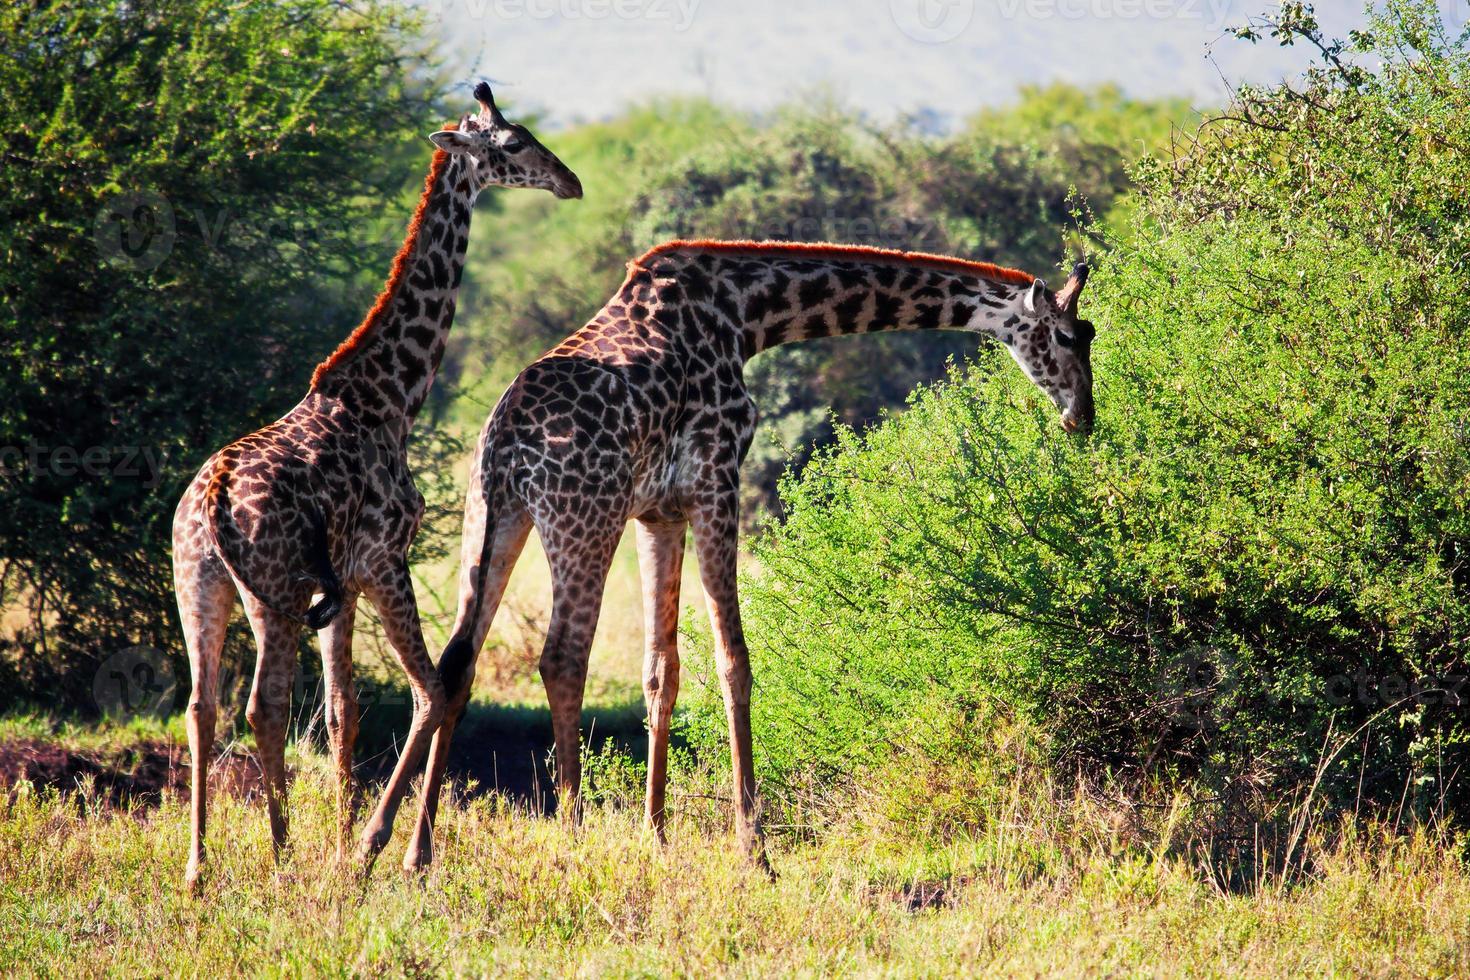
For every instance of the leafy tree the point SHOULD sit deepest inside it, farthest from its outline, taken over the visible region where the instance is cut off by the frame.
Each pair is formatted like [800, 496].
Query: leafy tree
[186, 189]
[1002, 189]
[1254, 577]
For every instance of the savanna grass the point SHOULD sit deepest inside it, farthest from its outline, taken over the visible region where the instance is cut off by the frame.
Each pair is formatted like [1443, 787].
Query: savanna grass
[89, 890]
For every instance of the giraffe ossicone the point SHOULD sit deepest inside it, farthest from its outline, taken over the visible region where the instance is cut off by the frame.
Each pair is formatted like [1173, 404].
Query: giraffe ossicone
[643, 415]
[321, 502]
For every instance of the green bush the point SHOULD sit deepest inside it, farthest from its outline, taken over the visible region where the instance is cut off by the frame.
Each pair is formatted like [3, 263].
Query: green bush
[247, 141]
[1258, 564]
[1001, 189]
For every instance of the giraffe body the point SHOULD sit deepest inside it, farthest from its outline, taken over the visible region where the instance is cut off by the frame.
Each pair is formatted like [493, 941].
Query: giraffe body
[643, 415]
[322, 500]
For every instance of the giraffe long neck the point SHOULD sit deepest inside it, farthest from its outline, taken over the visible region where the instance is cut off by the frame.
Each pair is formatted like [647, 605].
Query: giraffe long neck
[777, 293]
[383, 371]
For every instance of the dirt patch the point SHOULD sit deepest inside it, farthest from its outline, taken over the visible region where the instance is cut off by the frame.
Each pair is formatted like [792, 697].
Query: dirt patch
[139, 775]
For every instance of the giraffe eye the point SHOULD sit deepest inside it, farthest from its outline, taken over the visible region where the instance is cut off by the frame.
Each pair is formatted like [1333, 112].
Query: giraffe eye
[1064, 339]
[513, 145]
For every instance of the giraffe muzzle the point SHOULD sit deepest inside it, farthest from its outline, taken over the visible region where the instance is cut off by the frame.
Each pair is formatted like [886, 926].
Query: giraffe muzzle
[569, 188]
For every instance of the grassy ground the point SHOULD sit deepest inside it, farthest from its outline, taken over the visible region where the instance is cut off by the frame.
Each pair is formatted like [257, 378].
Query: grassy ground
[87, 889]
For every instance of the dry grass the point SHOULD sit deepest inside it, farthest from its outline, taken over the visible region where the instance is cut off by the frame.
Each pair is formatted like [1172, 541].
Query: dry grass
[89, 890]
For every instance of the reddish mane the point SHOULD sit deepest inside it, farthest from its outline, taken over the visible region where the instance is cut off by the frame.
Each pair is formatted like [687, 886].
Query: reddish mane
[861, 253]
[396, 273]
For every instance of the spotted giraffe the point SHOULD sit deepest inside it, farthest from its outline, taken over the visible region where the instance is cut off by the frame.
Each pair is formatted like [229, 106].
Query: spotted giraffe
[321, 502]
[643, 415]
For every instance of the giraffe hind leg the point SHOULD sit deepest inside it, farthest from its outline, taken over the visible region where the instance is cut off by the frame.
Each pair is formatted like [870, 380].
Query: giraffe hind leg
[206, 596]
[269, 708]
[481, 593]
[341, 716]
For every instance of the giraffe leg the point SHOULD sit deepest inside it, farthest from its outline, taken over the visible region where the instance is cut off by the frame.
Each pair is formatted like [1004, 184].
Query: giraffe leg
[660, 564]
[579, 565]
[392, 596]
[341, 714]
[479, 599]
[269, 708]
[206, 596]
[715, 528]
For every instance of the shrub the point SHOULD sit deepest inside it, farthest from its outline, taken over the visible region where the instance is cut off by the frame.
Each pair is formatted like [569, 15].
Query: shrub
[246, 140]
[1001, 189]
[1259, 564]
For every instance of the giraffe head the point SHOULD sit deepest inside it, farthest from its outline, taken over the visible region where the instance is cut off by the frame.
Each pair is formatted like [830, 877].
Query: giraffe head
[1054, 347]
[505, 154]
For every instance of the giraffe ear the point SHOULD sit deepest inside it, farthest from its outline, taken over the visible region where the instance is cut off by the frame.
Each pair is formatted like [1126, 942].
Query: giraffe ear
[1034, 297]
[1067, 295]
[451, 142]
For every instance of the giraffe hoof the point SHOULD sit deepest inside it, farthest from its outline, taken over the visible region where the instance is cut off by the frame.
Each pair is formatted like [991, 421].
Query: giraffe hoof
[417, 859]
[369, 848]
[763, 865]
[755, 854]
[193, 879]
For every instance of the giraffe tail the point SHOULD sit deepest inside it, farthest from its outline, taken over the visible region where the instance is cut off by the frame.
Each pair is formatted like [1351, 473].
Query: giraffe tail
[459, 655]
[234, 550]
[326, 610]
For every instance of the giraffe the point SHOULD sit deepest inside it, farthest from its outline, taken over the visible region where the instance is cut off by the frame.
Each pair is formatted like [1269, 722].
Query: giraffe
[643, 415]
[321, 502]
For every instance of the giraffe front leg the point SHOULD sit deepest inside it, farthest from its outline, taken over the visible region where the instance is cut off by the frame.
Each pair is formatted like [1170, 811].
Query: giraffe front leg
[715, 528]
[393, 598]
[341, 711]
[660, 565]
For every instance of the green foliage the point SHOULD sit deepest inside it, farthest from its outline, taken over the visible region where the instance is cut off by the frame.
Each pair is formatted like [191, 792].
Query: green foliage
[1003, 189]
[1255, 575]
[141, 333]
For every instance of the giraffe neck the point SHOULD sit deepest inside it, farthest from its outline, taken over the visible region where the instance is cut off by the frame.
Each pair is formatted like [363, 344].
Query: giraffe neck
[778, 293]
[383, 371]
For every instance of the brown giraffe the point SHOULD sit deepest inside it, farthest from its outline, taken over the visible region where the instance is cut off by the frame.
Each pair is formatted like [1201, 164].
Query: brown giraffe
[643, 415]
[321, 502]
